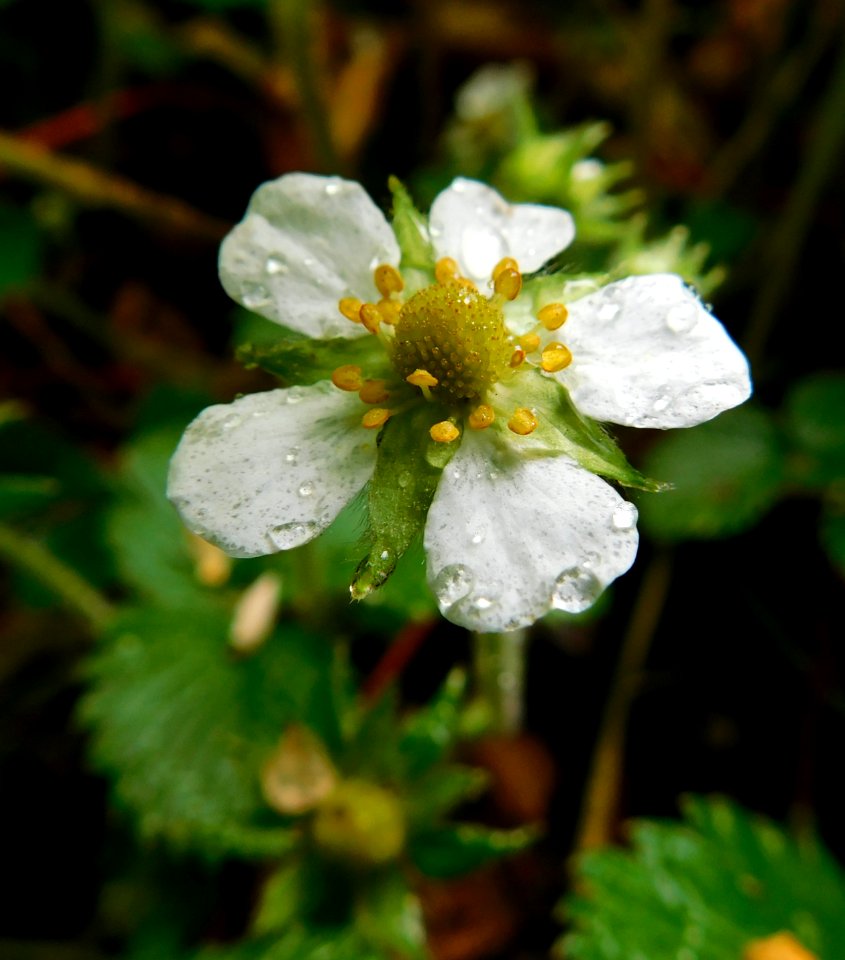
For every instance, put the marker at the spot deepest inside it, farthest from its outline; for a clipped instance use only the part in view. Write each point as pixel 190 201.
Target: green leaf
pixel 309 361
pixel 815 422
pixel 832 535
pixel 20 248
pixel 401 491
pixel 707 887
pixel 389 916
pixel 185 726
pixel 725 475
pixel 449 851
pixel 411 229
pixel 25 493
pixel 431 731
pixel 440 790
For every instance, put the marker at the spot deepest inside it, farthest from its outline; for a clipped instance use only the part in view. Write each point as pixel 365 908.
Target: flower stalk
pixel 499 662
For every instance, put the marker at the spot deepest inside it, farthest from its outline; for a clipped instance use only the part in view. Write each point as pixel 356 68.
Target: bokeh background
pixel 132 134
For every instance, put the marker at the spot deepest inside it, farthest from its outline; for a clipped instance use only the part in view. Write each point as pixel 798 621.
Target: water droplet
pixel 454 473
pixel 661 403
pixel 308 262
pixel 292 455
pixel 482 603
pixel 624 517
pixel 254 295
pixel 682 317
pixel 306 490
pixel 477 538
pixel 294 395
pixel 274 266
pixel 404 479
pixel 384 554
pixel 575 590
pixel 287 535
pixel 333 188
pixel 493 475
pixel 231 421
pixel 452 584
pixel 608 311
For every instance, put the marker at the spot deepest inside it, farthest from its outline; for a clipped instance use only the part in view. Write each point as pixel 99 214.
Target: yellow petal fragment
pixel 522 422
pixel 508 283
pixel 517 358
pixel 555 357
pixel 446 270
pixel 422 378
pixel 780 946
pixel 350 307
pixel 529 342
pixel 389 310
pixel 444 432
pixel 375 418
pixel 553 315
pixel 388 280
pixel 506 263
pixel 482 417
pixel 370 316
pixel 373 391
pixel 347 377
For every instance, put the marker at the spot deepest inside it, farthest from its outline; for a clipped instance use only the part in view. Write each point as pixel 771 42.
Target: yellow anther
pixel 522 422
pixel 780 946
pixel 481 417
pixel 555 356
pixel 529 342
pixel 506 263
pixel 444 432
pixel 553 315
pixel 347 377
pixel 389 310
pixel 508 283
pixel 350 307
pixel 517 357
pixel 370 316
pixel 446 270
pixel 388 280
pixel 466 282
pixel 422 378
pixel 373 391
pixel 376 417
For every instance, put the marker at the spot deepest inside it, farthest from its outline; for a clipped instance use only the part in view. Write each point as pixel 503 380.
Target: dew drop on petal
pixel 275 266
pixel 306 490
pixel 682 317
pixel 482 603
pixel 287 535
pixel 452 584
pixel 231 421
pixel 608 311
pixel 477 538
pixel 333 188
pixel 661 403
pixel 292 455
pixel 624 517
pixel 575 590
pixel 255 295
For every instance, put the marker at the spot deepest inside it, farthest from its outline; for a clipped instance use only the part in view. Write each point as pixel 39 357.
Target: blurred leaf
pixel 815 422
pixel 431 731
pixel 833 536
pixel 725 474
pixel 283 896
pixel 452 850
pixel 440 790
pixel 705 887
pixel 389 916
pixel 25 493
pixel 20 248
pixel 186 726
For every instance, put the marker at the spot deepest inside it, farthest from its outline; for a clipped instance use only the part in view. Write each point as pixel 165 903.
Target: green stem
pixel 499 661
pixel 36 559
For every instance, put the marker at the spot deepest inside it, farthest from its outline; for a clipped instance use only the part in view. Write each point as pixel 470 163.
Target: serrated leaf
pixel 815 422
pixel 707 886
pixel 389 917
pixel 449 851
pixel 725 475
pixel 411 229
pixel 309 361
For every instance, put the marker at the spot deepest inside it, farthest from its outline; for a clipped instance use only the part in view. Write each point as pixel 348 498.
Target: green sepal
pixel 562 429
pixel 389 917
pixel 404 481
pixel 411 229
pixel 309 361
pixel 452 850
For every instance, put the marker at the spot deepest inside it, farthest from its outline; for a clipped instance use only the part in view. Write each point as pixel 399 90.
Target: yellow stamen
pixel 445 271
pixel 373 391
pixel 555 357
pixel 517 357
pixel 375 418
pixel 506 263
pixel 347 377
pixel 780 946
pixel 389 310
pixel 508 283
pixel 522 422
pixel 482 417
pixel 350 307
pixel 466 282
pixel 553 315
pixel 422 378
pixel 444 432
pixel 370 316
pixel 388 280
pixel 529 342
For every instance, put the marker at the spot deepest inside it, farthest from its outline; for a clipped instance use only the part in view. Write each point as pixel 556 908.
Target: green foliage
pixel 815 423
pixel 20 248
pixel 411 229
pixel 308 361
pixel 451 850
pixel 725 474
pixel 705 887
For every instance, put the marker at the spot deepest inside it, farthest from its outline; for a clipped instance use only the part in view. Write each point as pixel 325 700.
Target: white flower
pixel 518 521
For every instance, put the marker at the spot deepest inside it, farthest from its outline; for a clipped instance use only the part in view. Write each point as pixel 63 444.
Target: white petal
pixel 472 223
pixel 646 353
pixel 271 470
pixel 509 538
pixel 306 242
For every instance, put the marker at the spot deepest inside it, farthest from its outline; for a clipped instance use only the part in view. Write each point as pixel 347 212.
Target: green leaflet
pixel 411 230
pixel 562 429
pixel 297 362
pixel 407 472
pixel 449 851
